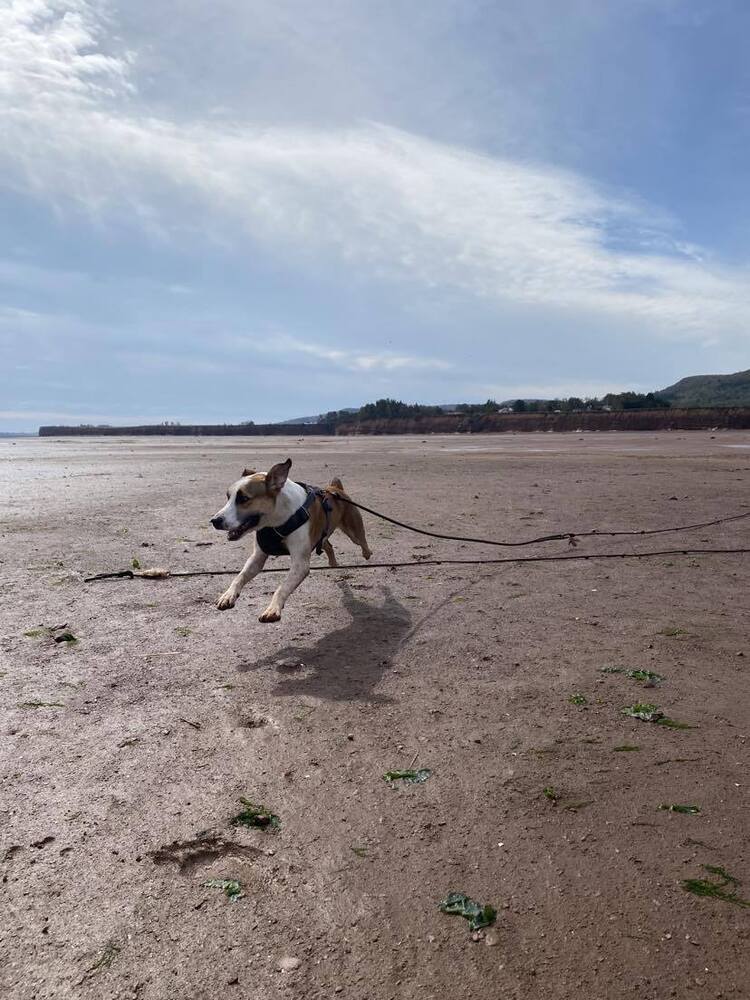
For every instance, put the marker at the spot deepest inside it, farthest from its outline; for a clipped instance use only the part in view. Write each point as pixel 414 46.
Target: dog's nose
pixel 218 522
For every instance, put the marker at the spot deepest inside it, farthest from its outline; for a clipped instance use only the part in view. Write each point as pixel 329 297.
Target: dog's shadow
pixel 348 664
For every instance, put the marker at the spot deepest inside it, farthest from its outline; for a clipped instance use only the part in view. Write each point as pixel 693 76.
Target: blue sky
pixel 257 210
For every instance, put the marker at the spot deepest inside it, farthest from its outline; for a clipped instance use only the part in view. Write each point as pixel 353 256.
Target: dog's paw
pixel 270 615
pixel 227 600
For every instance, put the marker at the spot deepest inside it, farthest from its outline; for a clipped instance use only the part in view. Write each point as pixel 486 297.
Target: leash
pixel 570 535
pixel 162 574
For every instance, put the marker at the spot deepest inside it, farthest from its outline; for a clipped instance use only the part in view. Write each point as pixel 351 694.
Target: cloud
pixel 51 55
pixel 381 202
pixel 354 361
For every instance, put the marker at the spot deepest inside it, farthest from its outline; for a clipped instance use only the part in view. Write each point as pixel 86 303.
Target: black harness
pixel 272 541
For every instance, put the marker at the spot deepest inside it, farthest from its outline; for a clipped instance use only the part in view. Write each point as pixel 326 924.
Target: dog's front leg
pixel 297 572
pixel 251 569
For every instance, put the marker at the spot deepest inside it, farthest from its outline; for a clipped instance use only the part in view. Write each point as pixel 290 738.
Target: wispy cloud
pixel 387 203
pixel 355 361
pixel 51 53
pixel 275 351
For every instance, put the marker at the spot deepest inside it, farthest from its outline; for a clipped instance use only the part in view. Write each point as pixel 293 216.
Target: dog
pixel 288 518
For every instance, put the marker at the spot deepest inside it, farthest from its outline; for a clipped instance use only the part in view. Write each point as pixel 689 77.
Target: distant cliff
pixel 615 420
pixel 737 418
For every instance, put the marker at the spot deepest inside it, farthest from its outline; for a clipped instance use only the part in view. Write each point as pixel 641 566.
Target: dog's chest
pixel 272 543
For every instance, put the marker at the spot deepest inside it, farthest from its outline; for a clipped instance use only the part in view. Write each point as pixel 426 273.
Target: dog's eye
pixel 240 498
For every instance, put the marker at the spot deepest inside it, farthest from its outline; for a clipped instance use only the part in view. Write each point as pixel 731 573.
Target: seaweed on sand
pixel 458 904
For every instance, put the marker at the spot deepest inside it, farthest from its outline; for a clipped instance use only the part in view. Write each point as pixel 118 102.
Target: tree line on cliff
pixel 395 409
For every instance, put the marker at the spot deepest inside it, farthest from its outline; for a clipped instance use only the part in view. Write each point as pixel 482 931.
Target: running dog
pixel 288 519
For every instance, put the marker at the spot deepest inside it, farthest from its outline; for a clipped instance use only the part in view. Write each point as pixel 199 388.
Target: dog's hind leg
pixel 353 527
pixel 328 549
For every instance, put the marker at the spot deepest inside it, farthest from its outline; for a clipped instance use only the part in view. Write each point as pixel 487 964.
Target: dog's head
pixel 250 499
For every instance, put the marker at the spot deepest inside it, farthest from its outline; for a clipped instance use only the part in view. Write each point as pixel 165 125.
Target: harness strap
pixel 272 540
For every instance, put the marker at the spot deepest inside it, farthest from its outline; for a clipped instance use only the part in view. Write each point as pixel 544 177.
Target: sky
pixel 246 210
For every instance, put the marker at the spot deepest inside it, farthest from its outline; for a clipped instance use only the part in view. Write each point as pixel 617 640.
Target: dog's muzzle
pixel 234 533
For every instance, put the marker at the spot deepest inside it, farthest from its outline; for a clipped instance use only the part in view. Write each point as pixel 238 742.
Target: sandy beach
pixel 125 754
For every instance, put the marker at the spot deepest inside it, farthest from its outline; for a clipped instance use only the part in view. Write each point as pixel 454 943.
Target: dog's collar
pixel 271 540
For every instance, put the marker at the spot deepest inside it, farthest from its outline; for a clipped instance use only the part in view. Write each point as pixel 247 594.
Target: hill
pixel 318 418
pixel 709 390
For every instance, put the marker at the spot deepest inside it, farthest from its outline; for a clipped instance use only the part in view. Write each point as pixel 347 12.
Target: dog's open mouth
pixel 248 525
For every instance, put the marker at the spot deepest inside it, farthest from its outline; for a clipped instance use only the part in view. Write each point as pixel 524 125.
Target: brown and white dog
pixel 269 500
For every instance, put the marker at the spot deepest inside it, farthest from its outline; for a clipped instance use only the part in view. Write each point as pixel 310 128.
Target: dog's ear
pixel 248 472
pixel 276 476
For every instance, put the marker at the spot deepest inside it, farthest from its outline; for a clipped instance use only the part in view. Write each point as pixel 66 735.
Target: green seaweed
pixel 38 633
pixel 256 816
pixel 550 793
pixel 643 711
pixel 578 699
pixel 672 632
pixel 232 888
pixel 688 810
pixel 107 957
pixel 361 852
pixel 59 634
pixel 625 748
pixel 715 889
pixel 651 713
pixel 649 678
pixel 183 630
pixel 410 776
pixel 673 724
pixel 458 904
pixel 135 563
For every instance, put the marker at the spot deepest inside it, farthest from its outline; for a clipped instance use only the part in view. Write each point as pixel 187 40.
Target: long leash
pixel 160 574
pixel 571 536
